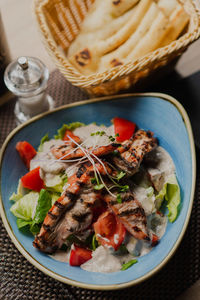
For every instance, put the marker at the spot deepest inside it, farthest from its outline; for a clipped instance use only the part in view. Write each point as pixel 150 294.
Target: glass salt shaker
pixel 27 78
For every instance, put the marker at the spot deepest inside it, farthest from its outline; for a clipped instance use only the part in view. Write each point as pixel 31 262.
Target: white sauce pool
pixel 104 262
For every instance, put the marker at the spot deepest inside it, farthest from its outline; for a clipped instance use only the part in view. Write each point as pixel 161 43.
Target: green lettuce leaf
pixel 160 196
pixel 56 183
pixel 171 193
pixel 22 223
pixel 54 198
pixel 173 198
pixel 21 191
pixel 71 126
pixel 42 208
pixel 25 206
pixel 24 209
pixel 42 141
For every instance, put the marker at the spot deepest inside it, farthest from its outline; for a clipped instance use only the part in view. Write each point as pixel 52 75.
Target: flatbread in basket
pixel 139 28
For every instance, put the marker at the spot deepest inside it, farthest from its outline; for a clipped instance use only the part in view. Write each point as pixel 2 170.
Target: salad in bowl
pixel 93 195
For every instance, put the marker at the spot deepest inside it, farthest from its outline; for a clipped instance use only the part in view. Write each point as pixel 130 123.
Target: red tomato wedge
pixel 123 128
pixel 26 152
pixel 79 255
pixel 32 180
pixel 109 230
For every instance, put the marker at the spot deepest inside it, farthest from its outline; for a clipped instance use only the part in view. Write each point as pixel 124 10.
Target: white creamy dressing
pixel 96 140
pixel 147 202
pixel 61 255
pixel 105 261
pixel 164 168
pixel 46 160
pixel 102 259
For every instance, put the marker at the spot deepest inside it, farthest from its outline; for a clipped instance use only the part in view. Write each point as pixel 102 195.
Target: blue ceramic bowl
pixel 157 112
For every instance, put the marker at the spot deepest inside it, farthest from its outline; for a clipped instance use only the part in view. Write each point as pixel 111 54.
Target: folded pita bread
pixel 119 7
pixel 89 63
pixel 116 57
pixel 103 12
pixel 167 6
pixel 88 38
pixel 178 21
pixel 119 31
pixel 152 38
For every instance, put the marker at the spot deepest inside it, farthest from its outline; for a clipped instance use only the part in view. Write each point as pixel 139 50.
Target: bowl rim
pixel 61 278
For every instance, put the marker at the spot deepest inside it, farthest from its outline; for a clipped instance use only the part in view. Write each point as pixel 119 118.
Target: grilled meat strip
pixel 132 152
pixel 64 152
pixel 74 221
pixel 69 150
pixel 131 214
pixel 48 239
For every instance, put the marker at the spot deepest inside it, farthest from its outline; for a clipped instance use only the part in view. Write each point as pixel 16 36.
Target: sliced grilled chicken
pixel 48 239
pixel 131 214
pixel 65 152
pixel 75 220
pixel 132 152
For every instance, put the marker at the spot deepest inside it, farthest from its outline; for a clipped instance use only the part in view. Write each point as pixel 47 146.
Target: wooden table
pixel 23 38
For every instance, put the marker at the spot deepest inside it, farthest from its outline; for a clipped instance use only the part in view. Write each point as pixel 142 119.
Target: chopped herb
pixel 124 188
pixel 119 198
pixel 100 133
pixel 120 175
pixel 111 138
pixel 93 180
pixel 129 264
pixel 94 243
pixel 99 186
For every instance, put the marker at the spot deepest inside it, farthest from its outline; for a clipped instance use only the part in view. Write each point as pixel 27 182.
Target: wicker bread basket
pixel 59 22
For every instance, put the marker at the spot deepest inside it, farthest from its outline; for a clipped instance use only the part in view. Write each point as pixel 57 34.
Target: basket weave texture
pixel 59 23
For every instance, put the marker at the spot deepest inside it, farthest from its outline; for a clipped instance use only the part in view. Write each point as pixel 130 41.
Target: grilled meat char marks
pixel 132 152
pixel 131 214
pixel 62 152
pixel 75 220
pixel 72 212
pixel 53 232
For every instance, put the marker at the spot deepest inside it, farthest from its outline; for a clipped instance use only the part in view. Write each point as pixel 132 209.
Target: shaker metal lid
pixel 26 76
